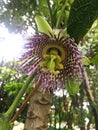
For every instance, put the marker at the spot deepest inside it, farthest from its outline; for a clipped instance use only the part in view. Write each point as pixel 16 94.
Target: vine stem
pixel 25 102
pixel 48 3
pixel 60 16
pixel 87 87
pixel 90 98
pixel 12 108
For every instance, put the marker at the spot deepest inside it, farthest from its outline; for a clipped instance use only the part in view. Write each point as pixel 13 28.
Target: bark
pixel 38 111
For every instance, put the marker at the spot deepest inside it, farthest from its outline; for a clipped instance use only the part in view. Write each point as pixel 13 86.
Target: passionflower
pixel 55 59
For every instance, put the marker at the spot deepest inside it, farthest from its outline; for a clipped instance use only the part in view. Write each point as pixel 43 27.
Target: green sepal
pixel 43 25
pixel 72 87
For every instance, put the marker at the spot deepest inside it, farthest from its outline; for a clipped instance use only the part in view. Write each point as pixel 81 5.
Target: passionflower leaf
pixel 43 25
pixel 72 87
pixel 82 15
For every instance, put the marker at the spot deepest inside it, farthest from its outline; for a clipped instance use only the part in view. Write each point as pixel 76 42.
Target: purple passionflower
pixel 55 59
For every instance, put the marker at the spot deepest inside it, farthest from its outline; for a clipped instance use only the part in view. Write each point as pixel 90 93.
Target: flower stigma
pixel 52 61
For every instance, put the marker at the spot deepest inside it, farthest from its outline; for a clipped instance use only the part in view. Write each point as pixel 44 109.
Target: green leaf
pixel 95 60
pixel 43 25
pixel 85 61
pixel 72 87
pixel 82 15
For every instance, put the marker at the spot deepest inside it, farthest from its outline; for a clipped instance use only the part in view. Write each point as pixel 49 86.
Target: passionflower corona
pixel 55 60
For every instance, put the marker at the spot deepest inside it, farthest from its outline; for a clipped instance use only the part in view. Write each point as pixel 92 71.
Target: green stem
pixel 60 16
pixel 48 3
pixel 20 94
pixel 26 100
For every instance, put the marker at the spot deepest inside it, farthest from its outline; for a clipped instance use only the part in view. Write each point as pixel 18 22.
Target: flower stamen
pixel 52 62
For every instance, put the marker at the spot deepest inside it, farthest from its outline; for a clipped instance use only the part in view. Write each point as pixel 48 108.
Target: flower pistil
pixel 52 62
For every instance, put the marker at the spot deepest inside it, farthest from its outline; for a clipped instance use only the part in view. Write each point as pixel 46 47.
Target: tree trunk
pixel 38 111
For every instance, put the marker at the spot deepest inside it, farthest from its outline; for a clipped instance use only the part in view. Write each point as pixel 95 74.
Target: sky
pixel 10 44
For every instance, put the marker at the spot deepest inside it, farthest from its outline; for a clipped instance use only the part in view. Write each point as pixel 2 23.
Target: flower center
pixel 53 56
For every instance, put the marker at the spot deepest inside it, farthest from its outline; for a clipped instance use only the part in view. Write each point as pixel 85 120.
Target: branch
pixel 91 98
pixel 87 86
